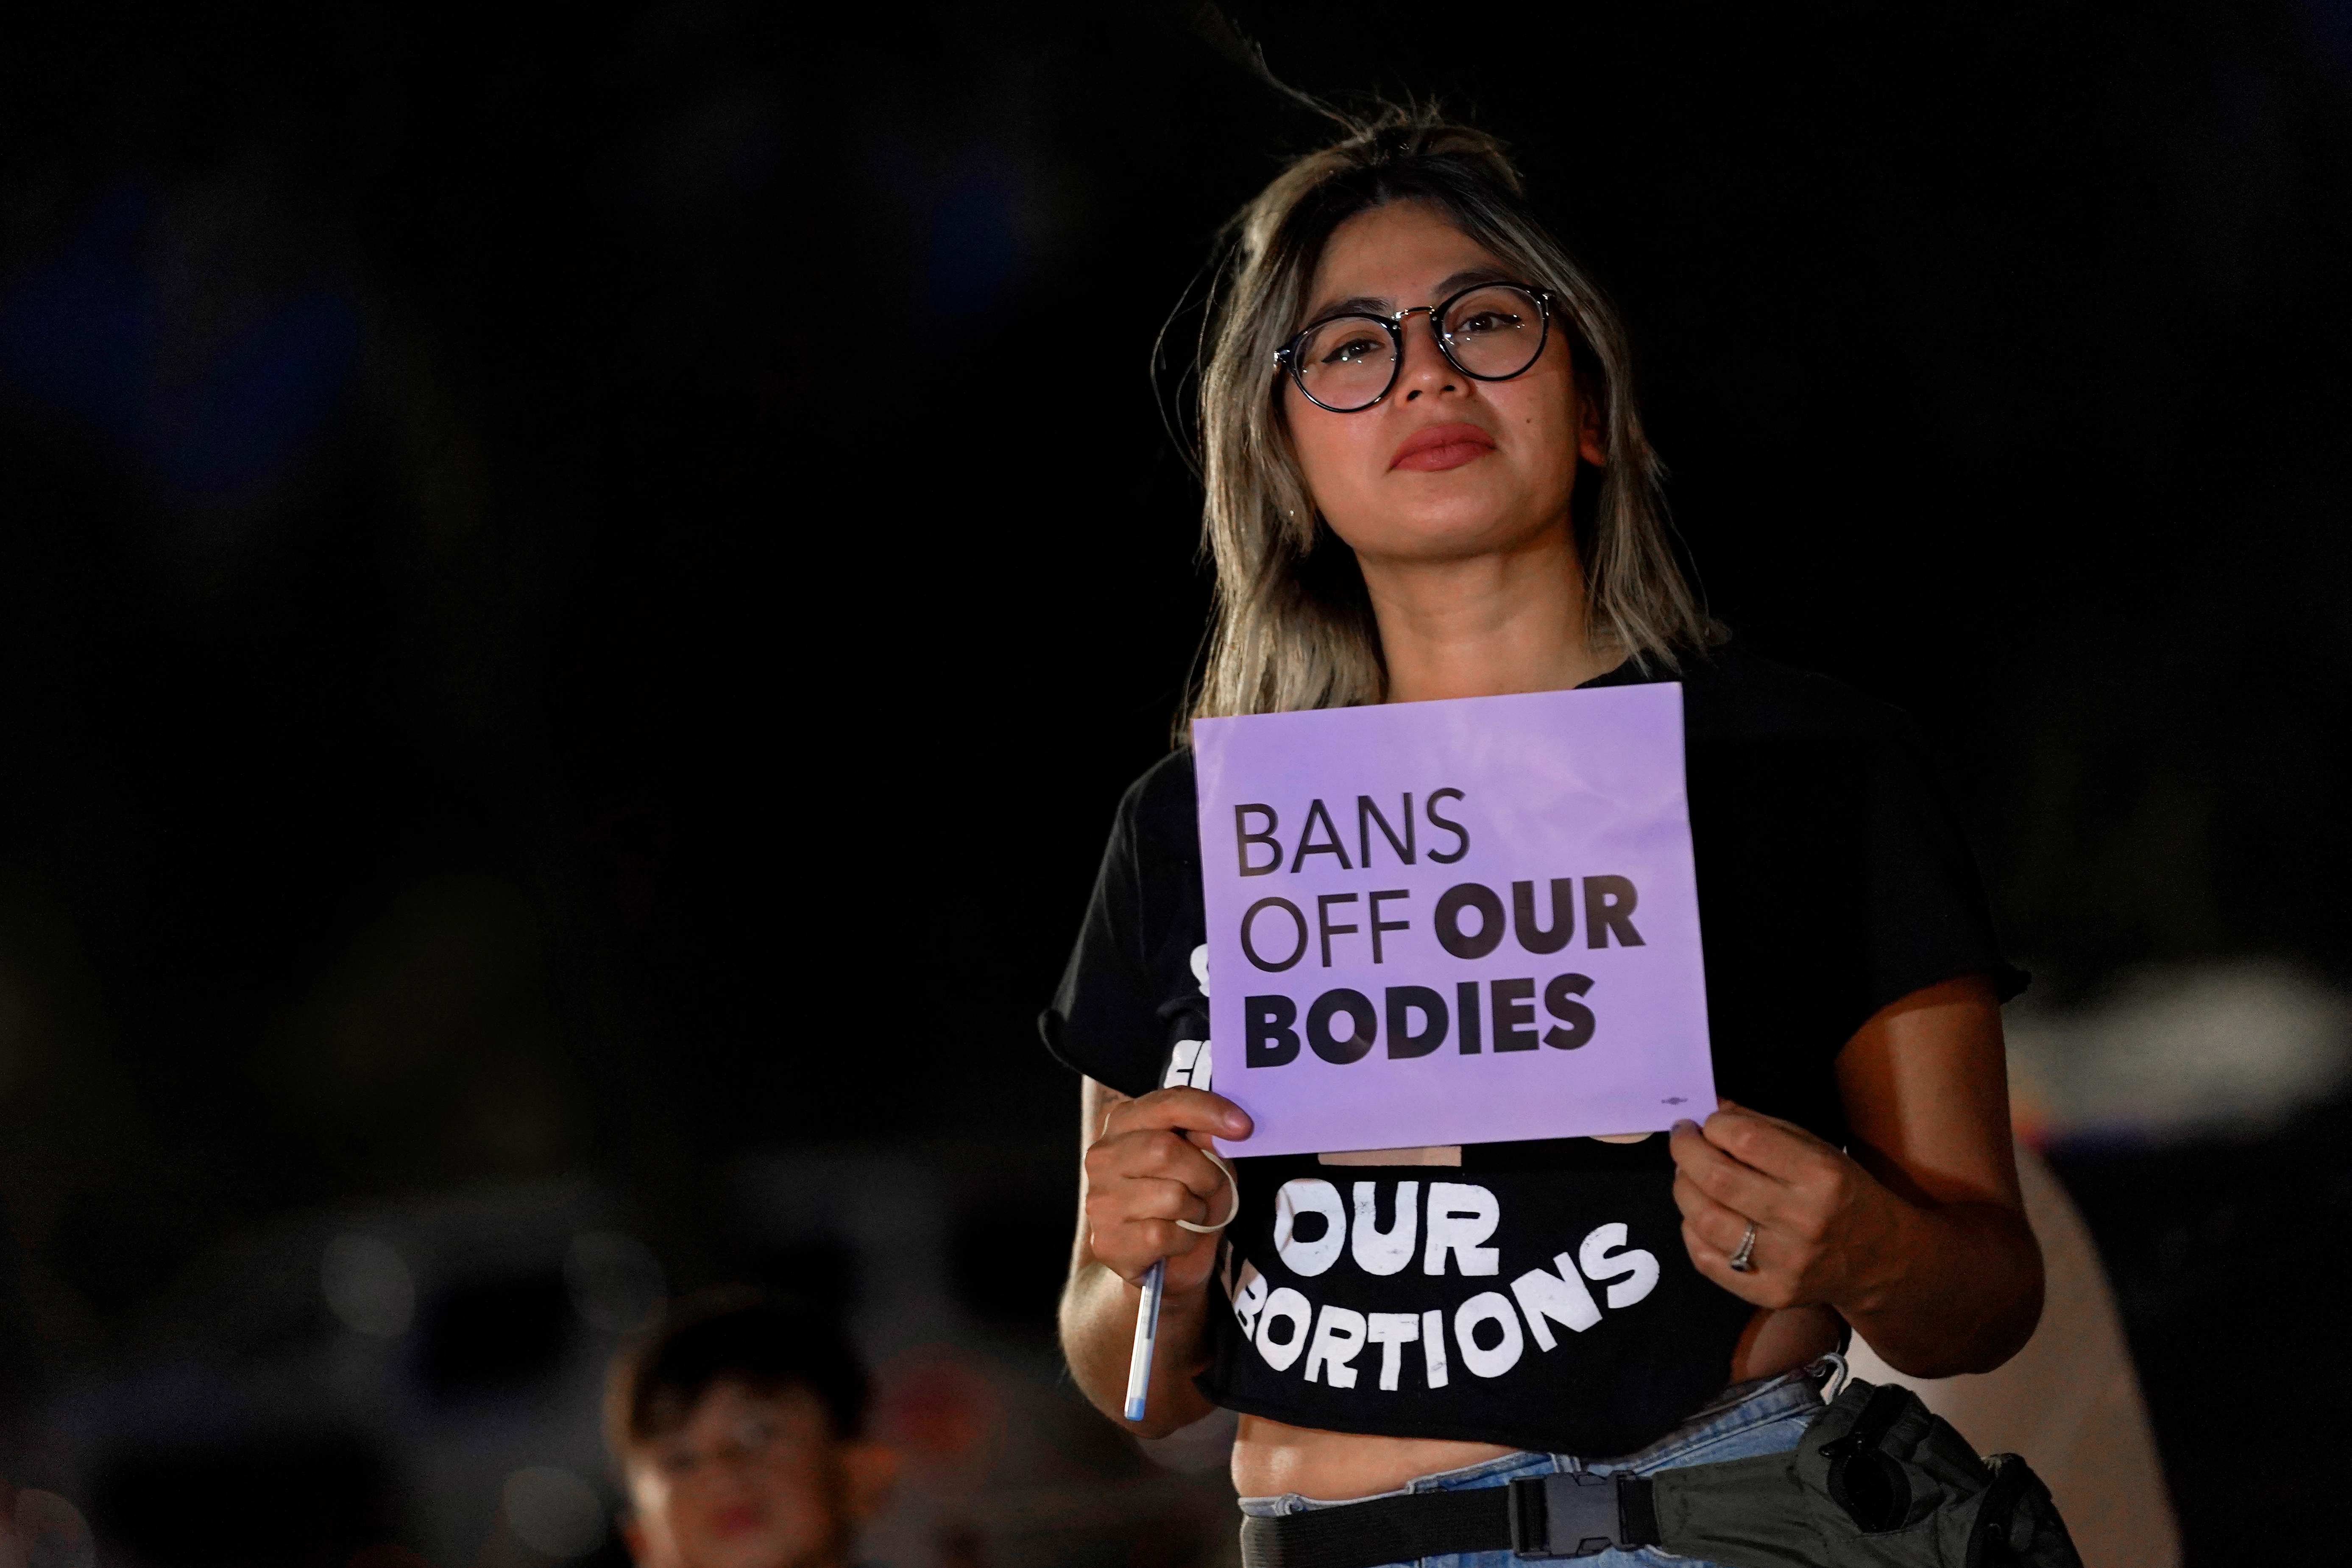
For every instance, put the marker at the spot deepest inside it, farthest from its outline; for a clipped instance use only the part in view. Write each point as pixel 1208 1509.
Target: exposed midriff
pixel 1272 1459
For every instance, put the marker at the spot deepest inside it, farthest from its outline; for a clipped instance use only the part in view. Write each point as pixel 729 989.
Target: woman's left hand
pixel 1824 1226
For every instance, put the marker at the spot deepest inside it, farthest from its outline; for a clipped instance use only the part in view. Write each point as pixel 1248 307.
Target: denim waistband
pixel 1727 1427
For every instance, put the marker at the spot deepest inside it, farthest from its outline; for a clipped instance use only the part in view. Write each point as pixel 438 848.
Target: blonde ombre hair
pixel 1292 625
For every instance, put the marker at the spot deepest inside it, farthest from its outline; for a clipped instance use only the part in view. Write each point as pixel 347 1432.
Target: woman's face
pixel 1444 468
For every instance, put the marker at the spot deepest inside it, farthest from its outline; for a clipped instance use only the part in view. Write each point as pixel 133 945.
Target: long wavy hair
pixel 1292 625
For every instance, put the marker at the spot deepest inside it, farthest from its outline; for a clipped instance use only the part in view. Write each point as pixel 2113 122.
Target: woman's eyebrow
pixel 1353 305
pixel 1377 305
pixel 1469 275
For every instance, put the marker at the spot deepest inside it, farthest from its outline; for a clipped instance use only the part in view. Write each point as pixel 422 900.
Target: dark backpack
pixel 1879 1481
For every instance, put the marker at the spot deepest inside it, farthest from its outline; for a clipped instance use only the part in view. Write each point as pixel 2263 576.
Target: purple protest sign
pixel 1465 921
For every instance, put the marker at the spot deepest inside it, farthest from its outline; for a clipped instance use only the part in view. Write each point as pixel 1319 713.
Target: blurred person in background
pixel 739 1428
pixel 1426 478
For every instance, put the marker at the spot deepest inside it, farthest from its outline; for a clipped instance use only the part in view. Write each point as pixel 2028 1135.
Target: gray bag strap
pixel 1878 1481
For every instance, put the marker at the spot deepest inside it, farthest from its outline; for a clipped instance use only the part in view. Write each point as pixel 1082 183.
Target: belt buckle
pixel 1569 1514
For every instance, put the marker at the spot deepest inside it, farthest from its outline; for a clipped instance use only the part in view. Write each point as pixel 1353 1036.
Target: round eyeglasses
pixel 1488 332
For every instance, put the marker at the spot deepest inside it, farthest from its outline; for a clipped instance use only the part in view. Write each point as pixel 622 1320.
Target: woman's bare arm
pixel 1144 1169
pixel 1919 1239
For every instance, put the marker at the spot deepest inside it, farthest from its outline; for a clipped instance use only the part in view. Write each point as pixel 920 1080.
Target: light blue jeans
pixel 1767 1416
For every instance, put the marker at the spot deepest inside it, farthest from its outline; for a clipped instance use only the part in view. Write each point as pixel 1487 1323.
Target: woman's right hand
pixel 1147 1168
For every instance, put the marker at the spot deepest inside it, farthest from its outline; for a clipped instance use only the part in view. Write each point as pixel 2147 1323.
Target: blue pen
pixel 1147 1310
pixel 1147 1334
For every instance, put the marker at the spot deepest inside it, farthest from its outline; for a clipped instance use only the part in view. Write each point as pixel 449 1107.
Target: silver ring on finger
pixel 1743 1259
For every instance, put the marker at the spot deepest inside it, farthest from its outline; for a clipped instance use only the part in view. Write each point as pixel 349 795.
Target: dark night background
pixel 578 585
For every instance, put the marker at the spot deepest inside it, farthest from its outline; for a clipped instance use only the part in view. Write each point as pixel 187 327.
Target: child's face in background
pixel 752 1478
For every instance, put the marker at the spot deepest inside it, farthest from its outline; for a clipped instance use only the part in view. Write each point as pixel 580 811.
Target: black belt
pixel 1568 1515
pixel 1876 1479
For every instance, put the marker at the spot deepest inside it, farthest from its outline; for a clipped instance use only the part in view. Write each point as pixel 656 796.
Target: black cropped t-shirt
pixel 1538 1294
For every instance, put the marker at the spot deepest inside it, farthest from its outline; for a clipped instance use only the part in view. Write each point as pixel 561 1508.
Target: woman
pixel 1426 480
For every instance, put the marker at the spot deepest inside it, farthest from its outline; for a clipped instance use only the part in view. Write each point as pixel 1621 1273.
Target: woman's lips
pixel 740 1519
pixel 1442 447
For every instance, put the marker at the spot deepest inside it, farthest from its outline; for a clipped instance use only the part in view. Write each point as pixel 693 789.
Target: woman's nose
pixel 1425 369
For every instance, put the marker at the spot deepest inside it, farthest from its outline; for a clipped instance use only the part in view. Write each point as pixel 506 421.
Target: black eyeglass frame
pixel 1286 356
